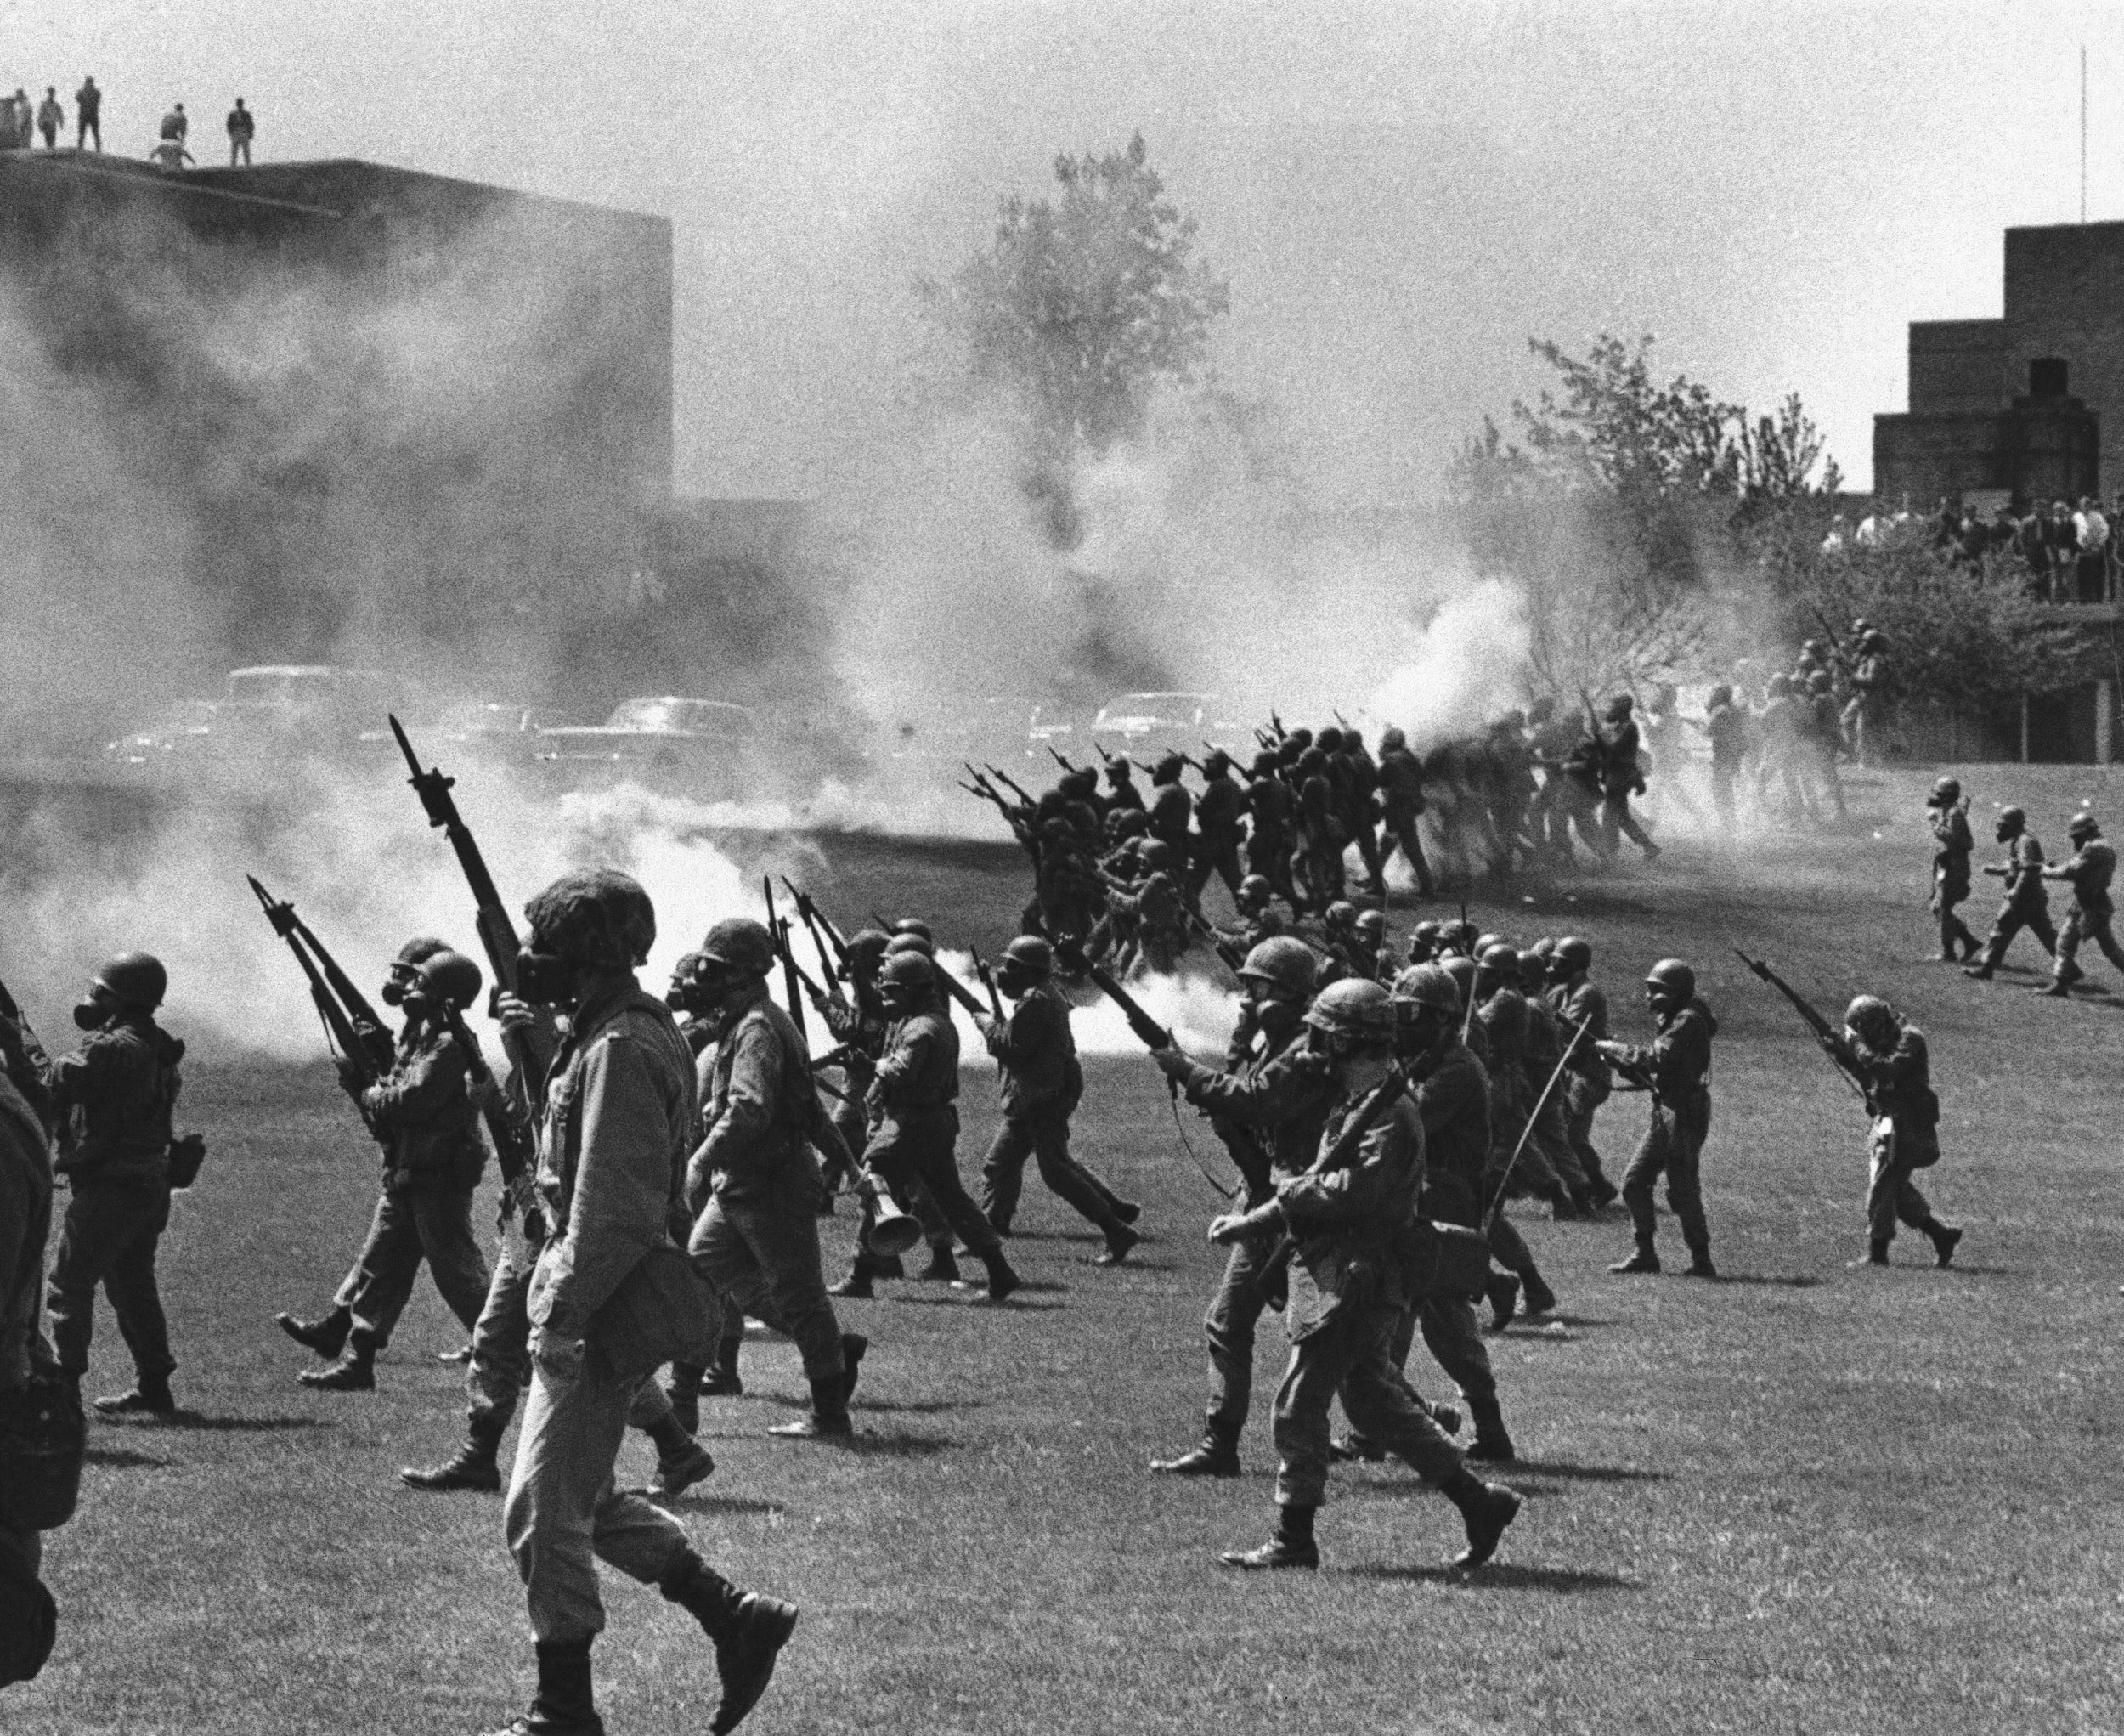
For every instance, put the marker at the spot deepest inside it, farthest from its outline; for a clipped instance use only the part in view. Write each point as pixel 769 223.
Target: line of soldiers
pixel 1122 873
pixel 2024 901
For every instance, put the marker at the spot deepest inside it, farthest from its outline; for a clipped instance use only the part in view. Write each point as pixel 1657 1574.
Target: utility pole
pixel 2083 132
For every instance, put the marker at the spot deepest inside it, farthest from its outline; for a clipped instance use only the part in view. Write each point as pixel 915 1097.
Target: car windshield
pixel 691 716
pixel 280 686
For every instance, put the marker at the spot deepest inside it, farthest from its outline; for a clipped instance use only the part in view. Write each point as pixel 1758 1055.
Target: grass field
pixel 1806 1499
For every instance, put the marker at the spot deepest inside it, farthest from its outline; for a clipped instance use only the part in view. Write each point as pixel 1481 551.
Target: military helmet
pixel 1168 769
pixel 1082 781
pixel 869 944
pixel 901 946
pixel 1312 763
pixel 135 980
pixel 740 946
pixel 1673 975
pixel 1128 823
pixel 1031 954
pixel 1339 915
pixel 1462 969
pixel 1353 1007
pixel 1498 958
pixel 1391 738
pixel 910 972
pixel 1428 986
pixel 1256 886
pixel 598 917
pixel 1155 854
pixel 1573 951
pixel 1265 764
pixel 2082 825
pixel 1542 948
pixel 1618 708
pixel 419 949
pixel 1868 1013
pixel 450 978
pixel 2012 820
pixel 1330 740
pixel 1945 793
pixel 1284 964
pixel 1427 929
pixel 1119 771
pixel 1216 763
pixel 1373 924
pixel 913 925
pixel 1482 943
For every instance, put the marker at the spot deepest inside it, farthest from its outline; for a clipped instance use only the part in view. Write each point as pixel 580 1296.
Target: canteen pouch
pixel 661 1313
pixel 186 1155
pixel 1445 1261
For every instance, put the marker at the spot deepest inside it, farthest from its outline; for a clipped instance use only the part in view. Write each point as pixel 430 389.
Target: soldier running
pixel 2025 904
pixel 2091 869
pixel 1887 1055
pixel 1948 815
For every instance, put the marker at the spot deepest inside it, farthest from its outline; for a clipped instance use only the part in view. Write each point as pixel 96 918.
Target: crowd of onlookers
pixel 2072 553
pixel 22 122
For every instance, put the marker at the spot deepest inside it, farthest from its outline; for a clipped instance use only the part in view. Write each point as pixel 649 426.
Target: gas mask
pixel 543 978
pixel 94 1012
pixel 395 984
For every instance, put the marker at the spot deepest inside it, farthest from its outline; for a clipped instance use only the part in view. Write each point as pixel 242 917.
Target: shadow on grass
pixel 898 1446
pixel 920 1407
pixel 1581 1473
pixel 120 1459
pixel 693 1503
pixel 1502 1576
pixel 1775 1281
pixel 239 1425
pixel 1009 1305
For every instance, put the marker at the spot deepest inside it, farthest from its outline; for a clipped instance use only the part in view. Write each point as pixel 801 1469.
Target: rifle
pixel 1368 1115
pixel 1830 1039
pixel 1012 784
pixel 792 974
pixel 988 982
pixel 1058 758
pixel 359 1038
pixel 1228 952
pixel 830 964
pixel 1276 724
pixel 530 1051
pixel 1526 1132
pixel 352 1024
pixel 1148 1031
pixel 512 1152
pixel 958 991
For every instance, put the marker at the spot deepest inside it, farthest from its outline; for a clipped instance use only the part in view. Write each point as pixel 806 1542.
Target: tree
pixel 1081 308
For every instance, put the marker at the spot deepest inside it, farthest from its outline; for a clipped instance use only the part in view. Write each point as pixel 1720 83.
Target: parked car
pixel 703 748
pixel 181 737
pixel 1147 724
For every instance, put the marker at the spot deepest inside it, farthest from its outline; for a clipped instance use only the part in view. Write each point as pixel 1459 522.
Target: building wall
pixel 2064 298
pixel 1958 366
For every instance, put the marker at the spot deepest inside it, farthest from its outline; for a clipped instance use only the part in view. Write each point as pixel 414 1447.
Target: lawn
pixel 1806 1498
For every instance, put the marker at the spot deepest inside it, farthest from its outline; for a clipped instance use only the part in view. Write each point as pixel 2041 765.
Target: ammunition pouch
pixel 186 1155
pixel 44 1439
pixel 1444 1262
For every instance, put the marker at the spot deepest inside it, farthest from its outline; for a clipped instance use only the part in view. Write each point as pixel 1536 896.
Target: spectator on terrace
pixel 50 117
pixel 241 125
pixel 2091 531
pixel 88 104
pixel 170 153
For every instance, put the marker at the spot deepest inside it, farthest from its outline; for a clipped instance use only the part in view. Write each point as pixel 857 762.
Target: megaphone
pixel 891 1232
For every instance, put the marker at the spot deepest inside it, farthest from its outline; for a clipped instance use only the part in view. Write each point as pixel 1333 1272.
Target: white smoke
pixel 1466 667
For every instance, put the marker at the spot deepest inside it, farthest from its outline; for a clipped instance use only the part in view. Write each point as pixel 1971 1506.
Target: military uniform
pixel 1041 1082
pixel 913 1105
pixel 859 1026
pixel 1269 840
pixel 1401 795
pixel 2026 905
pixel 755 1186
pixel 116 1092
pixel 1217 835
pixel 1728 725
pixel 30 1621
pixel 1268 1106
pixel 1952 848
pixel 1587 1082
pixel 1679 1061
pixel 1905 1138
pixel 2090 870
pixel 425 1112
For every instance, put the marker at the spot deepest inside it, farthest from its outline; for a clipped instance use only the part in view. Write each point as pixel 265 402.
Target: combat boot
pixel 943 1267
pixel 1119 1239
pixel 1644 1260
pixel 828 1418
pixel 474 1466
pixel 1876 1255
pixel 1002 1281
pixel 1604 1194
pixel 2055 990
pixel 1945 1240
pixel 327 1336
pixel 1291 1547
pixel 857 1286
pixel 1493 1442
pixel 683 1392
pixel 854 1345
pixel 563 1705
pixel 354 1372
pixel 1540 1298
pixel 721 1381
pixel 1503 1292
pixel 1700 1264
pixel 1486 1509
pixel 1980 973
pixel 676 1472
pixel 147 1397
pixel 1127 1211
pixel 1216 1455
pixel 749 1632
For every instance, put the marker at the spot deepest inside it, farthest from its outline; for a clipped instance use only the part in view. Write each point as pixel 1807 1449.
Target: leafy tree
pixel 1082 306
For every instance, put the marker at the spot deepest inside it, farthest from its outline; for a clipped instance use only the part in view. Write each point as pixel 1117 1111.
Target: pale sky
pixel 1398 196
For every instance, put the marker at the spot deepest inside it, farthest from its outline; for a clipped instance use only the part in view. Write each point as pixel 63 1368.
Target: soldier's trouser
pixel 1890 1194
pixel 1454 1339
pixel 1582 1099
pixel 1553 1139
pixel 1722 790
pixel 1947 892
pixel 1509 1249
pixel 110 1236
pixel 1581 809
pixel 762 1259
pixel 31 1614
pixel 917 1146
pixel 2081 925
pixel 1821 762
pixel 562 1507
pixel 855 1131
pixel 432 1221
pixel 1673 1145
pixel 1616 818
pixel 1046 1139
pixel 501 1356
pixel 1217 855
pixel 2009 922
pixel 1350 1355
pixel 1235 1311
pixel 1365 834
pixel 1403 829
